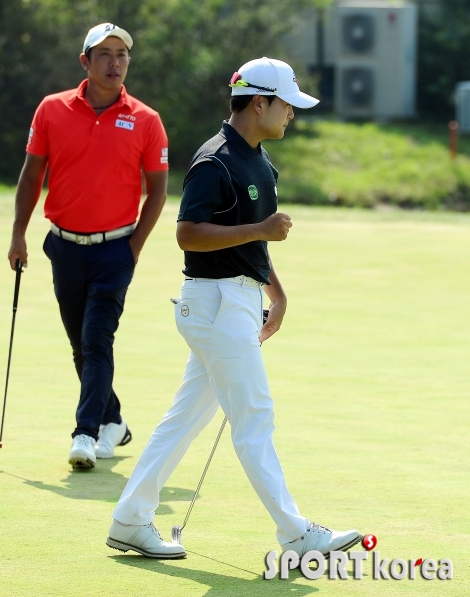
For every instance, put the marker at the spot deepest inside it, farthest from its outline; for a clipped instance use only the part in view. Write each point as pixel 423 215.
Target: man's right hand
pixel 27 195
pixel 275 227
pixel 17 251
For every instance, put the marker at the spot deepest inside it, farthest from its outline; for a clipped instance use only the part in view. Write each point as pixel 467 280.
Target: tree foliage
pixel 182 60
pixel 184 55
pixel 443 54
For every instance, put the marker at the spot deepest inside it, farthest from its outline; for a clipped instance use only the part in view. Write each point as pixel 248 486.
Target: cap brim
pixel 123 35
pixel 299 99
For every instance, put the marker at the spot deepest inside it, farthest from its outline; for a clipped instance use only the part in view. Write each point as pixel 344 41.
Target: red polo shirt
pixel 95 162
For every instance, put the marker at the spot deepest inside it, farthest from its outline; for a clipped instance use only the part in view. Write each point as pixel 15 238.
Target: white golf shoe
pixel 82 453
pixel 144 539
pixel 323 540
pixel 110 436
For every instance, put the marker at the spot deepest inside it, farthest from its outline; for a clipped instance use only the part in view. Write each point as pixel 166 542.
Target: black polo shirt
pixel 229 183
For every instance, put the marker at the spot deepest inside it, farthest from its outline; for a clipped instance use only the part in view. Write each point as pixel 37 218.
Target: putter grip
pixel 19 271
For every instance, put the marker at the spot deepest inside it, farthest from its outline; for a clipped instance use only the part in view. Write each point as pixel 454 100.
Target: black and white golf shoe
pixel 110 436
pixel 82 454
pixel 144 539
pixel 323 540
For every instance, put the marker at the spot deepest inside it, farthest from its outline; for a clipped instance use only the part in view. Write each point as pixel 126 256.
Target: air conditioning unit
pixel 462 104
pixel 374 45
pixel 309 41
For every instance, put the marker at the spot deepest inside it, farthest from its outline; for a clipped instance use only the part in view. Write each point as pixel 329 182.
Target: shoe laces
pixel 155 530
pixel 314 526
pixel 84 439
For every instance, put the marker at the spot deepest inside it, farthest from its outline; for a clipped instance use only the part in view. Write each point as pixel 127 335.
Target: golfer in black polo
pixel 228 214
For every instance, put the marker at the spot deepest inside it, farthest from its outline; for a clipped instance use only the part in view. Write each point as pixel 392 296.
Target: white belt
pixel 241 280
pixel 95 237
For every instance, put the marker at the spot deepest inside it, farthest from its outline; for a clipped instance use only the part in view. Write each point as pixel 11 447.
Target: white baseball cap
pixel 267 76
pixel 100 32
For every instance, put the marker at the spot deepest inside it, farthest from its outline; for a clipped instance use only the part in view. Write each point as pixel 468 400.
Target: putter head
pixel 176 533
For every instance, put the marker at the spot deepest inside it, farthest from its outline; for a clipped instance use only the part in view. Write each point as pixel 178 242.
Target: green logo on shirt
pixel 253 192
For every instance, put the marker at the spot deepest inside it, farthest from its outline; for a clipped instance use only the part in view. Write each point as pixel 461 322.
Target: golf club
pixel 19 271
pixel 177 531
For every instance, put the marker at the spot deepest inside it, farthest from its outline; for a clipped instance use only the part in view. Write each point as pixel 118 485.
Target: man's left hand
pixel 276 314
pixel 135 248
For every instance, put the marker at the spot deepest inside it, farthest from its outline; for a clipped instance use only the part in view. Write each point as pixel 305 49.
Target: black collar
pixel 234 138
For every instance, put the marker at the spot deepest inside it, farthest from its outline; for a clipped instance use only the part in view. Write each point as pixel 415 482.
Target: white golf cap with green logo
pixel 268 76
pixel 100 32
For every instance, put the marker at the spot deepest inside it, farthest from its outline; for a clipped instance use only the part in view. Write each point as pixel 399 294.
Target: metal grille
pixel 358 33
pixel 358 87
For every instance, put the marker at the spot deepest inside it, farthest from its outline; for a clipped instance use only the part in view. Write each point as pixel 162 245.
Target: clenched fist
pixel 276 227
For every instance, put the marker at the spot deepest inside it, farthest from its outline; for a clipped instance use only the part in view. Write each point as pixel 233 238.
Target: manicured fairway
pixel 371 378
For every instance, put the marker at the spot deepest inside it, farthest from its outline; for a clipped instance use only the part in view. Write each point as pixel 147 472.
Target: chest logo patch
pixel 253 192
pixel 123 124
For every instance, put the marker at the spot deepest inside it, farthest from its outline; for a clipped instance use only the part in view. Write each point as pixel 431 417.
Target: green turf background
pixel 370 375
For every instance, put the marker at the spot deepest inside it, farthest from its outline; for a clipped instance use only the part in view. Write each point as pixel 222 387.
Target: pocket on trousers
pixel 46 246
pixel 184 317
pixel 129 252
pixel 196 311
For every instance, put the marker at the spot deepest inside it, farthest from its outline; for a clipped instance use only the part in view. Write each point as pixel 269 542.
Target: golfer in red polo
pixel 95 141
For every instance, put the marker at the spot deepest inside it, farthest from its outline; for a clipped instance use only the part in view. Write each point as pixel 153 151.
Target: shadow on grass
pixel 103 484
pixel 220 585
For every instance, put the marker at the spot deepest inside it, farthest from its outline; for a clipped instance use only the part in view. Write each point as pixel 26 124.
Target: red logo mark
pixel 419 562
pixel 369 542
pixel 235 77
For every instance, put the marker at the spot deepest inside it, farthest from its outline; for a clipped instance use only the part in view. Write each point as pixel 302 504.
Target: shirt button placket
pixel 97 130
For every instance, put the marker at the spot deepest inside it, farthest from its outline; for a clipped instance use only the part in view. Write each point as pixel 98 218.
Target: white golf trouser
pixel 220 321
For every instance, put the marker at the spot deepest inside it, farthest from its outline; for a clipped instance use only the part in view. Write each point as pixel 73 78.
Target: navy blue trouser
pixel 90 283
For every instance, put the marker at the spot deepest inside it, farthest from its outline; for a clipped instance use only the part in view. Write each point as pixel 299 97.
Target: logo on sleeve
pixel 164 158
pixel 253 192
pixel 31 133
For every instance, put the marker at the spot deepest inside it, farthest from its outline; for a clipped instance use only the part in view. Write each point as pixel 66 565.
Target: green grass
pixel 364 164
pixel 370 378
